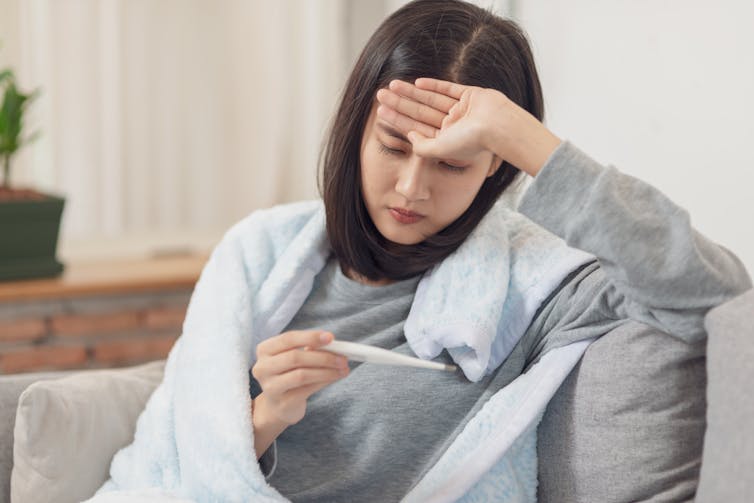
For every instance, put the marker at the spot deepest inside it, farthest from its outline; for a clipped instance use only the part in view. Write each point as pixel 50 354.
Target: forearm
pixel 266 429
pixel 514 135
pixel 668 272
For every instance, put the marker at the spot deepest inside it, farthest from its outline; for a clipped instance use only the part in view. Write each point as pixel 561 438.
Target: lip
pixel 405 216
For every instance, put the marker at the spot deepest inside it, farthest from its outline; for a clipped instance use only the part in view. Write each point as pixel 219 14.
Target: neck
pixel 350 274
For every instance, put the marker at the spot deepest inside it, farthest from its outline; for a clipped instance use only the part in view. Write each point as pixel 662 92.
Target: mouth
pixel 405 216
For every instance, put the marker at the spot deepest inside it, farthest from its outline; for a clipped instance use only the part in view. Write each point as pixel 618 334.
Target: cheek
pixel 375 175
pixel 368 187
pixel 457 196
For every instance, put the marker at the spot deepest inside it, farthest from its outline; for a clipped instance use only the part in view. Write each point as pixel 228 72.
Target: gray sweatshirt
pixel 660 270
pixel 373 435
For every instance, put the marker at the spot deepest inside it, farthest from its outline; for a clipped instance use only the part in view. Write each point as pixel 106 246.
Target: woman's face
pixel 408 197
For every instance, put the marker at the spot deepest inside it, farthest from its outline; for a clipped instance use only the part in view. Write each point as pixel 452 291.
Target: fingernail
pixel 342 362
pixel 325 337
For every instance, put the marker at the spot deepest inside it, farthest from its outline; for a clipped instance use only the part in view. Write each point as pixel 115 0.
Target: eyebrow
pixel 392 132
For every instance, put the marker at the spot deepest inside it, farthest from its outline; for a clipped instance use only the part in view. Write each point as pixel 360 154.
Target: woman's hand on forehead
pixel 433 119
pixel 446 120
pixel 414 109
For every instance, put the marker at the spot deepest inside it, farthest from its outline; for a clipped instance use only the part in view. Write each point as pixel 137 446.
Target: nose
pixel 412 180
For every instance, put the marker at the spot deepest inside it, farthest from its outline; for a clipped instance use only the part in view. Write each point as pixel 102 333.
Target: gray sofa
pixel 11 387
pixel 728 453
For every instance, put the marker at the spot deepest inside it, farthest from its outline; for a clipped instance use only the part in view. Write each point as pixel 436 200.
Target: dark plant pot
pixel 29 238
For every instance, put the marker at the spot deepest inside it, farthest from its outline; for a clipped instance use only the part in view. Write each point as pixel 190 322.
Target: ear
pixel 494 165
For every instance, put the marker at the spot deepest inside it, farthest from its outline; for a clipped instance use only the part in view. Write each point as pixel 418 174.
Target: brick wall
pixel 89 331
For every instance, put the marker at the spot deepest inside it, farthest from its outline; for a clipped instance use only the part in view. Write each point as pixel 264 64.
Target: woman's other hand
pixel 446 120
pixel 289 369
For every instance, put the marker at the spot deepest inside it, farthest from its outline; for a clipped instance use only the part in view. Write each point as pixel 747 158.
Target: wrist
pixel 538 150
pixel 262 415
pixel 495 136
pixel 519 138
pixel 267 427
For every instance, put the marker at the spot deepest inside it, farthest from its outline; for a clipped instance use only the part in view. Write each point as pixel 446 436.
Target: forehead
pixel 387 129
pixel 377 125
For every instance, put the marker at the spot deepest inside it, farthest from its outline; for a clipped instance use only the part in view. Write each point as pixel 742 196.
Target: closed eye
pixel 447 166
pixel 451 167
pixel 390 151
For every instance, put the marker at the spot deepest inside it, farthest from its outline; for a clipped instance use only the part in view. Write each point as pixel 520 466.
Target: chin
pixel 401 236
pixel 408 242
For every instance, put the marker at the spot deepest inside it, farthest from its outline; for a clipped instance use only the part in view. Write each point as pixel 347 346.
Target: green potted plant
pixel 29 220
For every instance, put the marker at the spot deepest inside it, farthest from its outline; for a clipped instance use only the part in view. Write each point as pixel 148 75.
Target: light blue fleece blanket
pixel 194 440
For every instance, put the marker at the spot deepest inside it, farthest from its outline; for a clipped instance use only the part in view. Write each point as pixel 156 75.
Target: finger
pixel 403 123
pixel 419 143
pixel 304 392
pixel 429 147
pixel 408 107
pixel 441 86
pixel 297 358
pixel 293 339
pixel 432 99
pixel 297 378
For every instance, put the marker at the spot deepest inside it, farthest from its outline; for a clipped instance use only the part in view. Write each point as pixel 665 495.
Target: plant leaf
pixel 12 113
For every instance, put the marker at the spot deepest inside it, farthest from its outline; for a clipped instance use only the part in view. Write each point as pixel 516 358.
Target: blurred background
pixel 165 121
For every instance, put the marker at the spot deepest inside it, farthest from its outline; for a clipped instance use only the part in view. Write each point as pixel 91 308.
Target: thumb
pixel 419 143
pixel 429 147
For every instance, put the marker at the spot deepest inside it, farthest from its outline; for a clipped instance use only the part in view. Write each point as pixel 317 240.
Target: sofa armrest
pixel 68 429
pixel 728 459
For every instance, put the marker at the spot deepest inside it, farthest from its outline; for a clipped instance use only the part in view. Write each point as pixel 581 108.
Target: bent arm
pixel 664 272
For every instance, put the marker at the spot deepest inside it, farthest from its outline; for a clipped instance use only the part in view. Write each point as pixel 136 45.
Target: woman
pixel 441 113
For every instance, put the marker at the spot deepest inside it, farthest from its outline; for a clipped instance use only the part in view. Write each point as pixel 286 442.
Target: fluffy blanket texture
pixel 194 440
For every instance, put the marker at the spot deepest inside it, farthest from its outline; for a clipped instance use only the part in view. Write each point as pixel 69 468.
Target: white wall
pixel 663 90
pixel 9 47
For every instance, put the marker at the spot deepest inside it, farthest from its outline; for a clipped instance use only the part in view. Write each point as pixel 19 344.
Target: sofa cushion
pixel 728 461
pixel 67 431
pixel 628 423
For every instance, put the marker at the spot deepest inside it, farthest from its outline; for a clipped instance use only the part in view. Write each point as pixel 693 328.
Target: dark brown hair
pixel 445 39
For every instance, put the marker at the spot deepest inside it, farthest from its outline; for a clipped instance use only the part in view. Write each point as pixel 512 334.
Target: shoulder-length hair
pixel 445 39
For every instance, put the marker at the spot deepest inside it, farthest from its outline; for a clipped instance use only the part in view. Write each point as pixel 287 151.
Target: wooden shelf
pixel 110 277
